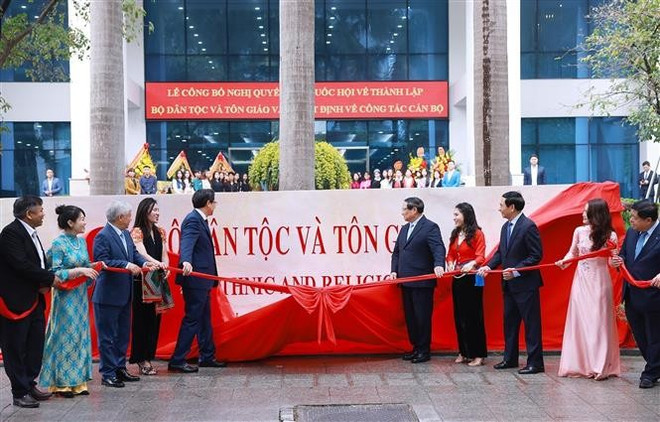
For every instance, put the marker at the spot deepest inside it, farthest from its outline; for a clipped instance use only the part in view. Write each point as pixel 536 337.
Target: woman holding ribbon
pixel 467 250
pixel 67 362
pixel 151 295
pixel 590 347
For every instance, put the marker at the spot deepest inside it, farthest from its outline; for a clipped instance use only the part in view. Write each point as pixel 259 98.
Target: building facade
pixel 371 41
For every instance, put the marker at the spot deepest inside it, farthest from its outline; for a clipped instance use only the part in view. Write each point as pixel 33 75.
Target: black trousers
pixel 145 327
pixel 22 344
pixel 418 310
pixel 523 307
pixel 469 317
pixel 646 330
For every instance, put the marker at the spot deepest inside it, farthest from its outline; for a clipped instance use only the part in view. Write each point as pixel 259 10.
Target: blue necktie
pixel 509 229
pixel 123 241
pixel 410 229
pixel 640 243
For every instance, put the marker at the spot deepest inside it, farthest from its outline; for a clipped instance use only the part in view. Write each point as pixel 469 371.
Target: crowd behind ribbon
pixel 125 302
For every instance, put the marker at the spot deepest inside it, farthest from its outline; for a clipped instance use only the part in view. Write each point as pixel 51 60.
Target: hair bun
pixel 60 209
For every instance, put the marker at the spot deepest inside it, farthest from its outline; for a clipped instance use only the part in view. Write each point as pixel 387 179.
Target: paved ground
pixel 437 390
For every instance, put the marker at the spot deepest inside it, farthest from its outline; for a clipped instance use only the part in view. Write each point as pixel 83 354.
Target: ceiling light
pixel 200 43
pixel 399 26
pixel 261 27
pixel 258 18
pixel 257 8
pixel 180 7
pixel 263 35
pixel 331 26
pixel 328 42
pixel 210 61
pixel 184 140
pixel 329 35
pixel 195 35
pixel 265 49
pixel 203 49
pixel 264 42
pixel 333 8
pixel 396 34
pixel 191 27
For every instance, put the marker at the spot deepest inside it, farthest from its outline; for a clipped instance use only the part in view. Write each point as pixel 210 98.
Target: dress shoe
pixel 212 364
pixel 643 383
pixel 66 394
pixel 527 370
pixel 505 365
pixel 185 368
pixel 26 401
pixel 112 382
pixel 409 355
pixel 124 375
pixel 421 357
pixel 40 395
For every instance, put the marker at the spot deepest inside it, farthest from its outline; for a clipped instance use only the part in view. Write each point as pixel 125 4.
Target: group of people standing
pixel 391 178
pixel 60 354
pixel 590 345
pixel 185 182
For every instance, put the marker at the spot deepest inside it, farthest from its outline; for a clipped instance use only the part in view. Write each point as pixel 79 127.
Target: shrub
pixel 330 169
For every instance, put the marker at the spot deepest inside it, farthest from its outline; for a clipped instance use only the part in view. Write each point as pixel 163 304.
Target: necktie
pixel 37 244
pixel 410 229
pixel 640 243
pixel 509 229
pixel 123 241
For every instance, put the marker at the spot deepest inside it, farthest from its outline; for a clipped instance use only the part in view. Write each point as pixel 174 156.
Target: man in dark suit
pixel 520 246
pixel 418 250
pixel 647 181
pixel 534 174
pixel 23 282
pixel 196 253
pixel 112 294
pixel 641 254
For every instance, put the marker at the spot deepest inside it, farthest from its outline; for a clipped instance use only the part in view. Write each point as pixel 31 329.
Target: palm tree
pixel 296 95
pixel 491 113
pixel 107 98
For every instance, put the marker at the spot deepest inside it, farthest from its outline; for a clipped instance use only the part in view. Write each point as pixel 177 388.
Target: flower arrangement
pixel 440 161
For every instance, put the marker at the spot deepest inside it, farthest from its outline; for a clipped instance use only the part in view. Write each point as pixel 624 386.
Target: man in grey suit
pixel 418 250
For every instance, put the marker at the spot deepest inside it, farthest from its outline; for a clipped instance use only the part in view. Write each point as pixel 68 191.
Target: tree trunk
pixel 296 95
pixel 491 93
pixel 107 98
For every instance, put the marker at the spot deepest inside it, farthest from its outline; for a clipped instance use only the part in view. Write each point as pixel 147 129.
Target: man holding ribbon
pixel 112 294
pixel 418 250
pixel 520 246
pixel 640 253
pixel 22 286
pixel 197 254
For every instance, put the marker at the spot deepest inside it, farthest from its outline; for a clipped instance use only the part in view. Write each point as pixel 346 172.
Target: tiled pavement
pixel 438 391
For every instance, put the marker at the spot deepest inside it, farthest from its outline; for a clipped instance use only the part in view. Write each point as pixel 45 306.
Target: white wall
pixel 37 101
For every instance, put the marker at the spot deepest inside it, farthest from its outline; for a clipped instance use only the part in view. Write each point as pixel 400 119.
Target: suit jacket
pixel 540 176
pixel 645 267
pixel 451 182
pixel 197 249
pixel 420 254
pixel 652 179
pixel 131 186
pixel 525 249
pixel 114 288
pixel 20 266
pixel 55 189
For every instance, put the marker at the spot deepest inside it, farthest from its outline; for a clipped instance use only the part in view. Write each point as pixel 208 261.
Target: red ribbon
pixel 8 314
pixel 75 282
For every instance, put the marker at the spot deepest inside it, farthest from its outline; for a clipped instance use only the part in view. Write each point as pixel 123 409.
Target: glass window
pixel 28 150
pixel 168 18
pixel 392 67
pixel 48 70
pixel 207 68
pixel 428 67
pixel 249 68
pixel 550 31
pixel 346 27
pixel 206 23
pixel 583 149
pixel 386 34
pixel 346 68
pixel 165 68
pixel 248 26
pixel 428 21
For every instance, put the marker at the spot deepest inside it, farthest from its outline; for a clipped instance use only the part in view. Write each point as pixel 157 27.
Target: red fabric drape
pixel 370 319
